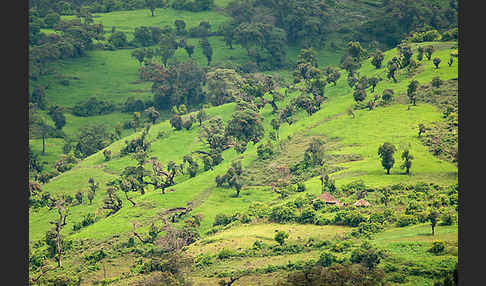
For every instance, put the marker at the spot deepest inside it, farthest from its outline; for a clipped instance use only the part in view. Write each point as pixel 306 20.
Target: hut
pixel 362 203
pixel 327 198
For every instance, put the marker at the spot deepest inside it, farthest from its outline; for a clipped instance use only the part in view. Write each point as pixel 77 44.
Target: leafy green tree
pixel 405 55
pixel 281 236
pixel 56 114
pixel 180 27
pixel 377 59
pixel 367 256
pixel 429 50
pixel 422 129
pixel 411 91
pixel 386 152
pixel 387 95
pixel 420 53
pixel 79 197
pixel 359 94
pixel 437 62
pixel 314 154
pixel 151 5
pixel 373 81
pixel 207 49
pixel 152 114
pixel 246 125
pixel 407 161
pixel 90 140
pixel 91 196
pixel 167 47
pixel 392 69
pixel 118 39
pixel 433 218
pixel 143 36
pixel 139 55
pixel 176 122
pixel 38 97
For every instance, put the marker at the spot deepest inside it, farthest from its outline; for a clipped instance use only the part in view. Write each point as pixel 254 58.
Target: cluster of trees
pixel 386 152
pixel 397 18
pixel 75 38
pixel 192 5
pixel 71 7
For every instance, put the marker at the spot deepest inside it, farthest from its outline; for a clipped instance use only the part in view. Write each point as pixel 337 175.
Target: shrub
pixel 447 219
pixel 225 254
pixel 349 218
pixel 436 82
pixel 280 237
pixel 107 154
pixel 176 122
pixel 221 219
pixel 265 150
pixel 438 247
pixel 406 220
pixel 326 259
pixel 321 220
pixel 308 215
pixel 300 187
pixel 92 107
pixel 66 163
pixel 282 214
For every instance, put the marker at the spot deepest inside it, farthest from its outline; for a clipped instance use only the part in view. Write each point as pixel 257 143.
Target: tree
pixel 411 91
pixel 38 97
pixel 189 49
pixel 57 116
pixel 385 196
pixel 176 122
pixel 433 218
pixel 422 129
pixel 407 161
pixel 143 36
pixel 392 69
pixel 437 62
pixel 451 61
pixel 359 94
pixel 139 55
pixel 91 196
pixel 280 237
pixel 373 81
pixel 420 54
pixel 180 27
pixel 314 155
pixel 207 49
pixel 246 125
pixel 377 59
pixel 61 206
pixel 167 47
pixel 152 114
pixel 386 152
pixel 118 39
pixel 90 140
pixel 151 5
pixel 429 50
pixel 387 95
pixel 79 197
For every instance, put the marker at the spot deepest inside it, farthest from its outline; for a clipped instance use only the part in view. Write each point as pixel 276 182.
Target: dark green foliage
pixel 437 62
pixel 367 256
pixel 265 150
pixel 411 91
pixel 429 50
pixel 118 39
pixel 407 161
pixel 246 125
pixel 222 219
pixel 282 214
pixel 90 140
pixel 438 247
pixel 280 237
pixel 436 82
pixel 327 259
pixel 193 5
pixel 207 49
pixel 359 95
pixel 176 122
pixel 314 155
pixel 92 107
pixel 387 96
pixel 38 97
pixel 386 152
pixel 349 218
pixel 377 59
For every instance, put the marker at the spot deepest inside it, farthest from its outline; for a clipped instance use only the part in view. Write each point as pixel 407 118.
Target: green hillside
pixel 234 233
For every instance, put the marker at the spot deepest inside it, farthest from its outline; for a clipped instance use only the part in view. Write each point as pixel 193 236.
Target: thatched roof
pixel 362 203
pixel 328 198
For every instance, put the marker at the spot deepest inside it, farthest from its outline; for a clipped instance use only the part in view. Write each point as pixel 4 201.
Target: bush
pixel 66 163
pixel 326 259
pixel 308 215
pixel 447 219
pixel 282 214
pixel 221 219
pixel 225 254
pixel 92 107
pixel 436 82
pixel 406 220
pixel 349 218
pixel 280 237
pixel 438 247
pixel 265 150
pixel 107 154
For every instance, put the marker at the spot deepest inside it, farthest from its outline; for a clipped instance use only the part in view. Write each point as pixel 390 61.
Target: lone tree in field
pixel 451 61
pixel 437 62
pixel 422 129
pixel 377 59
pixel 429 50
pixel 433 217
pixel 387 95
pixel 386 152
pixel 139 55
pixel 61 206
pixel 152 114
pixel 207 49
pixel 411 90
pixel 281 236
pixel 420 53
pixel 407 161
pixel 151 5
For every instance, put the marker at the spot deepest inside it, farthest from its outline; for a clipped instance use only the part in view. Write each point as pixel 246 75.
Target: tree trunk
pixel 433 233
pixel 130 200
pixel 152 10
pixel 43 144
pixel 388 171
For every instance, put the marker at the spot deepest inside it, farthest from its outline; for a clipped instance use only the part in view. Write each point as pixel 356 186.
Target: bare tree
pixel 63 212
